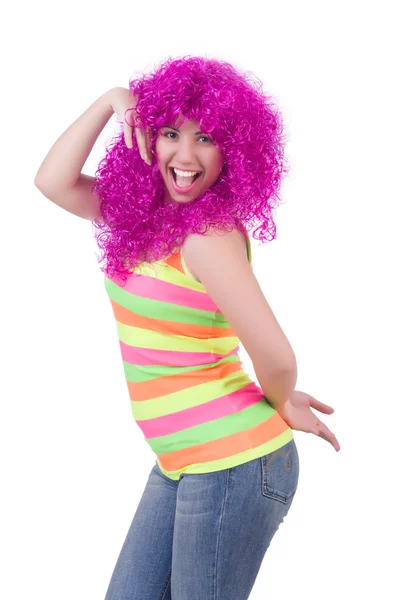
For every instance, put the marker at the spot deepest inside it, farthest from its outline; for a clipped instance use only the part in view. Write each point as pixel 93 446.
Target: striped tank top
pixel 197 408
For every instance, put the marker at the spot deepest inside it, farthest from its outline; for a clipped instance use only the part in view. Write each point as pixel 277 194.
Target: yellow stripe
pixel 144 338
pixel 186 268
pixel 189 397
pixel 165 272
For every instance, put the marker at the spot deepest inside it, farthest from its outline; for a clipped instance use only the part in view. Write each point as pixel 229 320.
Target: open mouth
pixel 186 189
pixel 174 175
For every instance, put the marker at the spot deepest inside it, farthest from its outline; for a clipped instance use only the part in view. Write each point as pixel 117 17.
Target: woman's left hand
pixel 297 413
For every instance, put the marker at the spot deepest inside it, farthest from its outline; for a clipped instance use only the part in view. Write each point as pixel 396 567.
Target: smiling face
pixel 189 151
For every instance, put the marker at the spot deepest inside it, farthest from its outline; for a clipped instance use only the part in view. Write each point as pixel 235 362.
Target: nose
pixel 185 153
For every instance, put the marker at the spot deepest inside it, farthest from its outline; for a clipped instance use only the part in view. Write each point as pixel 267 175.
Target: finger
pixel 324 408
pixel 128 135
pixel 129 117
pixel 326 434
pixel 148 137
pixel 140 140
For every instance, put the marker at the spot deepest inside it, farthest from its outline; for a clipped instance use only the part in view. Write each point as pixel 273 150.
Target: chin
pixel 178 200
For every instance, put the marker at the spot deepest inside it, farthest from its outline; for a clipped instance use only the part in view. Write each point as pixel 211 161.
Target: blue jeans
pixel 204 537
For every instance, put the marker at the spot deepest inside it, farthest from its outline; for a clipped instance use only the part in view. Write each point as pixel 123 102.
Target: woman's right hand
pixel 122 100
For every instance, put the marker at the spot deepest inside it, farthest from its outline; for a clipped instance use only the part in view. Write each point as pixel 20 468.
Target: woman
pixel 171 218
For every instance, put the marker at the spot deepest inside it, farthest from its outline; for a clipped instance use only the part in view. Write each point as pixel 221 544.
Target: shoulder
pixel 215 237
pixel 216 249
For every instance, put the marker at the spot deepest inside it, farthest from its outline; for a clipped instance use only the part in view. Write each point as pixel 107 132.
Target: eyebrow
pixel 174 128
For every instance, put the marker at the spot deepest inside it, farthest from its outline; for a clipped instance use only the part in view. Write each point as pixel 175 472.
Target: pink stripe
pixel 207 411
pixel 157 289
pixel 149 356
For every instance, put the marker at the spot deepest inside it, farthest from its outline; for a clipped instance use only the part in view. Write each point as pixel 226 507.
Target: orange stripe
pixel 146 390
pixel 224 447
pixel 174 260
pixel 127 317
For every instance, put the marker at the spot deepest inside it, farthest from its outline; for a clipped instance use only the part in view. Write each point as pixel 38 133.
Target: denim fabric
pixel 204 537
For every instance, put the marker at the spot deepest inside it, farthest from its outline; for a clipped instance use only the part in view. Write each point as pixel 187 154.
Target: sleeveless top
pixel 197 408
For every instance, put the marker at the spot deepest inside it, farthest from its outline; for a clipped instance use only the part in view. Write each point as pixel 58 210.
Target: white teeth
pixel 185 173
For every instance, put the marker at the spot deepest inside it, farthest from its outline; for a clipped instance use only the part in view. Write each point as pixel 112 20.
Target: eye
pixel 167 134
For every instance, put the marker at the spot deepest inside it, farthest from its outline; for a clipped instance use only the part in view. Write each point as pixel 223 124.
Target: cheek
pixel 161 151
pixel 216 166
pixel 218 160
pixel 161 159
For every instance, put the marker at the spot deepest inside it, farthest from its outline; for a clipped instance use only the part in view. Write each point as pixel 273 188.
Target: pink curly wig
pixel 242 121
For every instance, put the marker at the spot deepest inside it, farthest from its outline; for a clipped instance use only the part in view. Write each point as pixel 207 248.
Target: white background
pixel 73 462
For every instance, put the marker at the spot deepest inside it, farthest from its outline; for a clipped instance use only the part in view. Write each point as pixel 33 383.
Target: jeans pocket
pixel 280 472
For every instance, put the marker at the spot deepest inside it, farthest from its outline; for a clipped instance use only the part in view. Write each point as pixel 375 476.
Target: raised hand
pixel 123 103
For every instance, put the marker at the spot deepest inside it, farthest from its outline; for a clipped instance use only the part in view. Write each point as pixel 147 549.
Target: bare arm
pixel 221 264
pixel 59 177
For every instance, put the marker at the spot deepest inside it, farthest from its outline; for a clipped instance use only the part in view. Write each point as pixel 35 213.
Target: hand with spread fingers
pixel 297 413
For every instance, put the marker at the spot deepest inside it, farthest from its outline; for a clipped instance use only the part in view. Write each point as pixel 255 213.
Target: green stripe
pixel 249 249
pixel 167 311
pixel 140 373
pixel 213 430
